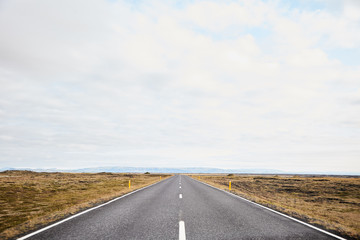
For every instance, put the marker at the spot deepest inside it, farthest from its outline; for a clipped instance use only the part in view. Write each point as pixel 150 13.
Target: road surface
pixel 180 208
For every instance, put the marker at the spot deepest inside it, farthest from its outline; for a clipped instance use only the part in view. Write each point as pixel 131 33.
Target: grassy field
pixel 330 202
pixel 29 200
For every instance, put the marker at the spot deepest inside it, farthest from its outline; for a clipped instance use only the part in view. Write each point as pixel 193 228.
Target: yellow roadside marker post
pixel 199 177
pixel 129 184
pixel 160 178
pixel 229 185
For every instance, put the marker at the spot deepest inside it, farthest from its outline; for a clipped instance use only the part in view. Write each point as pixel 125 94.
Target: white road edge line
pixel 81 213
pixel 180 195
pixel 180 187
pixel 282 214
pixel 182 235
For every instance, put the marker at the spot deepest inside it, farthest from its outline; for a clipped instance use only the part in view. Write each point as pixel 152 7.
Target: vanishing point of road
pixel 179 208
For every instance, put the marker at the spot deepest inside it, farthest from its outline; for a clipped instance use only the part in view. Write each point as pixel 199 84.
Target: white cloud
pixel 219 16
pixel 110 82
pixel 333 29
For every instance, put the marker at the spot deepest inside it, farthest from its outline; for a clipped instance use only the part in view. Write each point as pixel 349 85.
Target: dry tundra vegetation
pixel 330 202
pixel 29 200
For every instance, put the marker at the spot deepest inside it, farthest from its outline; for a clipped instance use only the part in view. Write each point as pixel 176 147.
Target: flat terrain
pixel 176 208
pixel 29 200
pixel 330 202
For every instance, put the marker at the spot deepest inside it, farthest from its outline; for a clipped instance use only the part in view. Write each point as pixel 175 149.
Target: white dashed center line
pixel 180 195
pixel 182 235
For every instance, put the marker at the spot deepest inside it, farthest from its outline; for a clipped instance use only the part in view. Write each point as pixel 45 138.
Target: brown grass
pixel 330 202
pixel 29 200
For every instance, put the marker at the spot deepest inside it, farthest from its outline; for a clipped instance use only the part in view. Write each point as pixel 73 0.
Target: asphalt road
pixel 179 208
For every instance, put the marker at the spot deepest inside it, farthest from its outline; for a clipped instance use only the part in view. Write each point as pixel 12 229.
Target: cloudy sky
pixel 229 84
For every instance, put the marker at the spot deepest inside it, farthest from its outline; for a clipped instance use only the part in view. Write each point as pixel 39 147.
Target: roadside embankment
pixel 29 200
pixel 330 202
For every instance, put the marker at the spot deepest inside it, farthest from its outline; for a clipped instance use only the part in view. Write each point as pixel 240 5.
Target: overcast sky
pixel 229 84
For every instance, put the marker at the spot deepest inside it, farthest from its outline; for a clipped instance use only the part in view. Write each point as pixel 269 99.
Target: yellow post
pixel 199 177
pixel 129 183
pixel 229 185
pixel 160 178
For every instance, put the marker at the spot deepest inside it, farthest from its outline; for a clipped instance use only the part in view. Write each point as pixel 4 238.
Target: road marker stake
pixel 160 178
pixel 279 213
pixel 129 183
pixel 229 185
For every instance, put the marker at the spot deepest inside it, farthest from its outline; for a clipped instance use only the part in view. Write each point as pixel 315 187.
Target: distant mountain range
pixel 149 169
pixel 173 170
pixel 176 170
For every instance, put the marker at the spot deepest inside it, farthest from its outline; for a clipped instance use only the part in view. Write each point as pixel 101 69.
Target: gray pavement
pixel 155 213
